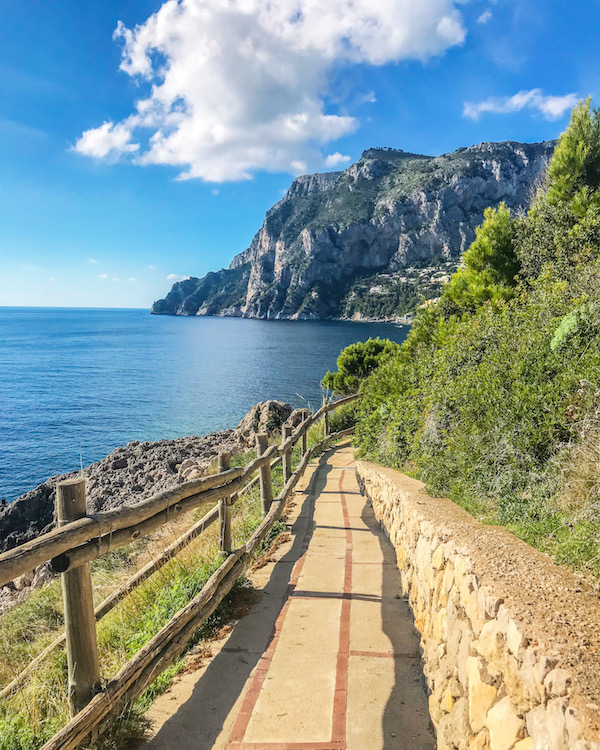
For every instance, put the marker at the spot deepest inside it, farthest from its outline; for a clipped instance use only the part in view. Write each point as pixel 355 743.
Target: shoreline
pixel 403 320
pixel 124 476
pixel 127 475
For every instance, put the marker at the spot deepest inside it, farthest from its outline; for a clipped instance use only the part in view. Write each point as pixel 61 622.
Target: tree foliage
pixel 490 265
pixel 356 362
pixel 562 229
pixel 574 172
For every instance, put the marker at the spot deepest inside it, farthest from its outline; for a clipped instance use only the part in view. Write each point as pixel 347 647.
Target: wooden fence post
pixel 80 622
pixel 304 435
pixel 326 424
pixel 225 508
pixel 287 456
pixel 266 488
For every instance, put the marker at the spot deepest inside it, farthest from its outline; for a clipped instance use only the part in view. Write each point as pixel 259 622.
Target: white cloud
pixel 93 261
pixel 334 160
pixel 103 276
pixel 150 268
pixel 132 278
pixel 109 140
pixel 485 17
pixel 175 277
pixel 368 98
pixel 552 107
pixel 239 85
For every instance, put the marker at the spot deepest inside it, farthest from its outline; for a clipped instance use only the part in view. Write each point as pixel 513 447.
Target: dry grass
pixel 581 491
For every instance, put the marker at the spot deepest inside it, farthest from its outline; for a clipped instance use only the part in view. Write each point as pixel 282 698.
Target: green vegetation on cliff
pixel 372 241
pixel 494 398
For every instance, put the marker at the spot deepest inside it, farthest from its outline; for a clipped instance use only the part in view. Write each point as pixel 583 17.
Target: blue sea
pixel 76 383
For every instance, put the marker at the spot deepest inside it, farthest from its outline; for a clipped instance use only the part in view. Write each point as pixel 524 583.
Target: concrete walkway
pixel 327 659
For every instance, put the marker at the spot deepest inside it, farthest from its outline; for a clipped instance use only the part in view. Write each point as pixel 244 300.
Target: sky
pixel 142 142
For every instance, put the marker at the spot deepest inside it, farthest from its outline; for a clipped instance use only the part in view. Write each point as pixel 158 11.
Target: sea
pixel 77 383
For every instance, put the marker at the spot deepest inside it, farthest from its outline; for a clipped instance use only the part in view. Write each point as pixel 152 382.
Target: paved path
pixel 327 659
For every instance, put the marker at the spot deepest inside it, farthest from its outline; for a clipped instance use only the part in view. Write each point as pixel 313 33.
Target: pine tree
pixel 490 265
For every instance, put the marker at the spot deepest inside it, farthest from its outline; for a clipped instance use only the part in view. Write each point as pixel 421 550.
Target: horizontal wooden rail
pixel 170 642
pixel 101 545
pixel 111 601
pixel 28 556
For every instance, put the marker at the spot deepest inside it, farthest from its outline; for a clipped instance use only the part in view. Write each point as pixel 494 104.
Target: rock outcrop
pixel 124 477
pixel 266 416
pixel 390 211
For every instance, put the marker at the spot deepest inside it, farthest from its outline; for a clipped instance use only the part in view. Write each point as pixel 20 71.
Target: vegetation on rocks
pixel 494 397
pixel 355 244
pixel 395 296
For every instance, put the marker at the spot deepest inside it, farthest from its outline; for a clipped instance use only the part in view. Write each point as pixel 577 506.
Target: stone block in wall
pixel 515 640
pixel 526 744
pixel 481 692
pixel 505 725
pixel 480 741
pixel 558 682
pixel 453 729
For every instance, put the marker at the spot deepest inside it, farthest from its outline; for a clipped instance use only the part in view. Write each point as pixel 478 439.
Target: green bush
pixel 490 265
pixel 356 362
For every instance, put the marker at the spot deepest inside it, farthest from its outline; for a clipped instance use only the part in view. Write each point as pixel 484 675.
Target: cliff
pixel 339 244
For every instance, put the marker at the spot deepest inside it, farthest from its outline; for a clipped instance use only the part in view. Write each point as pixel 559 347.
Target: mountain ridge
pixel 345 244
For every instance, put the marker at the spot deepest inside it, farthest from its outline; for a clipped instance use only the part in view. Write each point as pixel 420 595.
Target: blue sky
pixel 142 141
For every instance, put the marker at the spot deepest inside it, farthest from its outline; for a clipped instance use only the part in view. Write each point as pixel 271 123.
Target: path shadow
pixel 199 721
pixel 406 721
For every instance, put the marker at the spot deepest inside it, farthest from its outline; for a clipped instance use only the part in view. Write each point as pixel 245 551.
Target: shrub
pixel 490 265
pixel 356 362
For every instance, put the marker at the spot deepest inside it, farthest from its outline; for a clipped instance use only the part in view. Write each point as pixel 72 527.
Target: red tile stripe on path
pixel 340 701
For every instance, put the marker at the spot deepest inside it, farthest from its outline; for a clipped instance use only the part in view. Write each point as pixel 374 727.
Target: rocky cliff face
pixel 390 211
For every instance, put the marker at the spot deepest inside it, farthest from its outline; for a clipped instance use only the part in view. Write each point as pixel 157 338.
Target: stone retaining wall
pixel 511 641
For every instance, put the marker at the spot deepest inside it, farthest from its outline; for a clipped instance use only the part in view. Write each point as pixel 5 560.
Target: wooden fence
pixel 80 538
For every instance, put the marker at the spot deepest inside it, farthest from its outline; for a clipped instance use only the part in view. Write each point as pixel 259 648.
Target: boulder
pixel 266 416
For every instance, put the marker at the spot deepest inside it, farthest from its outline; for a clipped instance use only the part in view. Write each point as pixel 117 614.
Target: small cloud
pixel 115 279
pixel 150 268
pixel 368 98
pixel 215 192
pixel 132 278
pixel 93 261
pixel 52 278
pixel 334 160
pixel 175 277
pixel 485 17
pixel 298 166
pixel 552 107
pixel 108 140
pixel 103 276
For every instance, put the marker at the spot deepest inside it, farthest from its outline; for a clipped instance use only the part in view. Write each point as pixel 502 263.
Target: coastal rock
pixel 124 477
pixel 266 416
pixel 340 244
